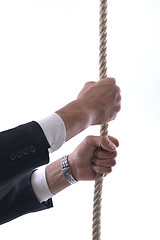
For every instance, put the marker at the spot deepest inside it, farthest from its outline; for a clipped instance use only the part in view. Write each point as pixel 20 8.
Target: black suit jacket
pixel 17 198
pixel 21 150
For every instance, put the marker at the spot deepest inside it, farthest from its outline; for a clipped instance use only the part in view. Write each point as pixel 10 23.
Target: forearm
pixel 75 117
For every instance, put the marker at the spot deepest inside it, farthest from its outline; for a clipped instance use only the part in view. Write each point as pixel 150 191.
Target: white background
pixel 48 50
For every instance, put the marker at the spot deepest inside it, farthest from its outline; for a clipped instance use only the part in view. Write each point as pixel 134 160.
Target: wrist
pixel 73 167
pixel 66 169
pixel 55 178
pixel 75 118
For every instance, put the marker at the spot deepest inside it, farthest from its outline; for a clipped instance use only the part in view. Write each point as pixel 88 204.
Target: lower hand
pixel 94 155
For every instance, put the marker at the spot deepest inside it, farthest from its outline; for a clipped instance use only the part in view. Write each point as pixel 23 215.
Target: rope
pixel 96 227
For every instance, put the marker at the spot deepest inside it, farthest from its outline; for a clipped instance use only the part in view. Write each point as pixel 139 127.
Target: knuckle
pixel 118 89
pixel 117 108
pixel 114 117
pixel 116 92
pixel 114 162
pixel 112 80
pixel 114 154
pixel 88 138
pixel 119 98
pixel 97 169
pixel 89 83
pixel 109 170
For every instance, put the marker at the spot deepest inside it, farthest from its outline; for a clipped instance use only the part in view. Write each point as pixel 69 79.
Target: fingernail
pixel 112 146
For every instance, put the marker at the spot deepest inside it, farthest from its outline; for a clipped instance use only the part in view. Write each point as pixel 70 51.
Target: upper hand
pixel 97 103
pixel 94 154
pixel 101 100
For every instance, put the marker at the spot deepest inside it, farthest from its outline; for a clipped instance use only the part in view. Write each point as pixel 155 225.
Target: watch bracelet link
pixel 66 170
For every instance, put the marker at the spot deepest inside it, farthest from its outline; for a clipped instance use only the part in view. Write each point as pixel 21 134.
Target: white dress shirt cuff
pixel 39 185
pixel 54 130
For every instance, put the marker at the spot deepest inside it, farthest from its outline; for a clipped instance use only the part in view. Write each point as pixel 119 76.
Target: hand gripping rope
pixel 96 227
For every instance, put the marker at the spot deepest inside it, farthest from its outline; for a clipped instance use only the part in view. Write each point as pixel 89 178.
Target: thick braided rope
pixel 96 227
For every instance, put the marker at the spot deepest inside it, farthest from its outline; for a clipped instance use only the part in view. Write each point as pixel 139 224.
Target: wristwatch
pixel 66 170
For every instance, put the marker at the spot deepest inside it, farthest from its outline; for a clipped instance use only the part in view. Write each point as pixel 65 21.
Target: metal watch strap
pixel 66 170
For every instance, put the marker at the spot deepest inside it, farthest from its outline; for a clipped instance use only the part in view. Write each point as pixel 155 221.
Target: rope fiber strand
pixel 96 227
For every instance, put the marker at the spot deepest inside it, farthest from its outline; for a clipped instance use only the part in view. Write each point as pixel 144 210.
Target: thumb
pixel 107 144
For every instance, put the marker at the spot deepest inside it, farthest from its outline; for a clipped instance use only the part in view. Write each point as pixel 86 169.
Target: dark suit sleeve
pixel 22 149
pixel 17 198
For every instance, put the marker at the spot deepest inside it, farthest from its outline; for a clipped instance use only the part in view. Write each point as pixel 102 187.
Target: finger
pixel 119 97
pixel 111 80
pixel 117 108
pixel 114 140
pixel 89 83
pixel 107 144
pixel 101 142
pixel 102 170
pixel 104 163
pixel 103 154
